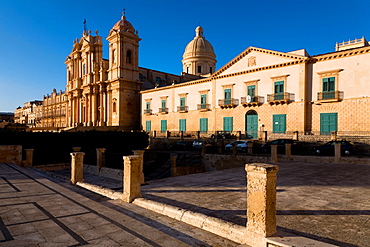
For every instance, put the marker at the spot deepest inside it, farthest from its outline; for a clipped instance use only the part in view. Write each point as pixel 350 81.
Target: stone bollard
pixel 182 135
pixel 274 158
pixel 154 133
pixel 131 178
pixel 295 135
pixel 29 157
pixel 234 150
pixel 334 135
pixel 204 149
pixel 168 134
pixel 76 149
pixel 198 135
pixel 288 150
pixel 173 165
pixel 250 148
pixel 141 154
pixel 337 152
pixel 264 136
pixel 261 203
pixel 239 135
pixel 99 159
pixel 77 167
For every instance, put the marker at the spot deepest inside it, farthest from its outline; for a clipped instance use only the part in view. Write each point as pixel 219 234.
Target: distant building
pixel 7 117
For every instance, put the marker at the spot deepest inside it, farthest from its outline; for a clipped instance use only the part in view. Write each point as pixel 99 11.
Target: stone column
pixel 182 135
pixel 337 152
pixel 154 133
pixel 288 149
pixel 77 167
pixel 274 158
pixel 141 154
pixel 198 135
pixel 99 159
pixel 168 134
pixel 234 150
pixel 29 157
pixel 131 178
pixel 261 203
pixel 250 148
pixel 173 165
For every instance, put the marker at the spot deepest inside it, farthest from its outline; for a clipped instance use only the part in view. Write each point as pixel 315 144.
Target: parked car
pixel 182 145
pixel 328 148
pixel 240 146
pixel 199 144
pixel 266 148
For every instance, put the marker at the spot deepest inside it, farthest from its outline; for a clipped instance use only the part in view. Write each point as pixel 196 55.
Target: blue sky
pixel 37 35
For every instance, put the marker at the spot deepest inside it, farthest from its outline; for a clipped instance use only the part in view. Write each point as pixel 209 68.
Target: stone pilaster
pixel 99 159
pixel 250 148
pixel 261 203
pixel 337 152
pixel 141 154
pixel 77 167
pixel 288 150
pixel 274 158
pixel 29 157
pixel 131 178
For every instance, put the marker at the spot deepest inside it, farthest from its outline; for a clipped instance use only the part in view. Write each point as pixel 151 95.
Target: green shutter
pixel 148 126
pixel 182 124
pixel 204 124
pixel 328 84
pixel 203 99
pixel 251 91
pixel 228 124
pixel 279 87
pixel 279 123
pixel 227 93
pixel 163 103
pixel 328 123
pixel 182 101
pixel 163 126
pixel 148 105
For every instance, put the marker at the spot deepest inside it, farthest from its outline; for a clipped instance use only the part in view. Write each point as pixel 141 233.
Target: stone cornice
pixel 341 54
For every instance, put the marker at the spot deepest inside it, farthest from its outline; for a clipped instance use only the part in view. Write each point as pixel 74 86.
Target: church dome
pixel 199 57
pixel 199 46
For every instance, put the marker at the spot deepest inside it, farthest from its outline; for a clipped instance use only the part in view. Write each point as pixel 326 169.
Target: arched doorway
pixel 251 124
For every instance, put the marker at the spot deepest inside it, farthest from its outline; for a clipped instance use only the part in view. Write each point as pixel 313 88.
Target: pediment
pixel 254 58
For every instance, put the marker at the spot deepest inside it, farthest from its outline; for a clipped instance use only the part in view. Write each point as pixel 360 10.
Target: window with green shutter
pixel 148 126
pixel 328 123
pixel 328 88
pixel 203 101
pixel 279 123
pixel 251 90
pixel 148 105
pixel 278 90
pixel 182 101
pixel 182 124
pixel 203 125
pixel 228 124
pixel 164 103
pixel 163 126
pixel 227 96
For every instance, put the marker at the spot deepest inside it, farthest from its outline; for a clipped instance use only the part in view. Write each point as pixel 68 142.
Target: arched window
pixel 128 56
pixel 114 107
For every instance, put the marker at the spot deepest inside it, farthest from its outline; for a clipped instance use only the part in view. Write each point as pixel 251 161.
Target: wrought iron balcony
pixel 183 108
pixel 280 98
pixel 163 110
pixel 252 101
pixel 204 107
pixel 148 111
pixel 228 103
pixel 330 96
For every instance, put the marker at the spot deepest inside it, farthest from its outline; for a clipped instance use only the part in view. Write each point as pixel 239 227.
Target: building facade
pixel 265 90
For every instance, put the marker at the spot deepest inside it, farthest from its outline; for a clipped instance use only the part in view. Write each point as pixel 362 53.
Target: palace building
pixel 258 90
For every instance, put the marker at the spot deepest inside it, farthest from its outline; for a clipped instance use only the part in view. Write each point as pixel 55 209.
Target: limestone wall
pixel 11 154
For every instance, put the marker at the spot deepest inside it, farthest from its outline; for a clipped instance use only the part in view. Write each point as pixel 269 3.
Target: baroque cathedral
pixel 103 93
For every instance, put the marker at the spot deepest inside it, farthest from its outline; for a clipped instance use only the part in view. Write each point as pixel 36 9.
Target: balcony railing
pixel 252 101
pixel 148 111
pixel 228 103
pixel 204 107
pixel 330 96
pixel 163 110
pixel 280 98
pixel 182 108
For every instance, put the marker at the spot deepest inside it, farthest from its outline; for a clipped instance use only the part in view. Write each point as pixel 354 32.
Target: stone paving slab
pixel 326 202
pixel 36 211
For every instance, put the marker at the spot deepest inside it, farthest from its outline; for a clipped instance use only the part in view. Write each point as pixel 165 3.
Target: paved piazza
pixel 35 211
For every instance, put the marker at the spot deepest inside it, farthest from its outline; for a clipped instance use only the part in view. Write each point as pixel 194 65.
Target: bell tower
pixel 123 51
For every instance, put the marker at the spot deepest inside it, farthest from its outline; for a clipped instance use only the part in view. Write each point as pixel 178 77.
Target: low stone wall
pixel 105 172
pixel 11 154
pixel 186 170
pixel 54 167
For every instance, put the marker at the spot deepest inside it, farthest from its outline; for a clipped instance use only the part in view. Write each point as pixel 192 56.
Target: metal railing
pixel 280 97
pixel 203 106
pixel 163 110
pixel 253 99
pixel 147 111
pixel 334 95
pixel 182 108
pixel 228 102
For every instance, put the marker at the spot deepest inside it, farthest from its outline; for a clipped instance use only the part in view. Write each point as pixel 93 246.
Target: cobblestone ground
pixel 35 211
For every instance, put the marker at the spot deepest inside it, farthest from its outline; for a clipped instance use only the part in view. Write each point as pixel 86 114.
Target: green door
pixel 148 126
pixel 279 123
pixel 228 124
pixel 163 126
pixel 251 126
pixel 328 123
